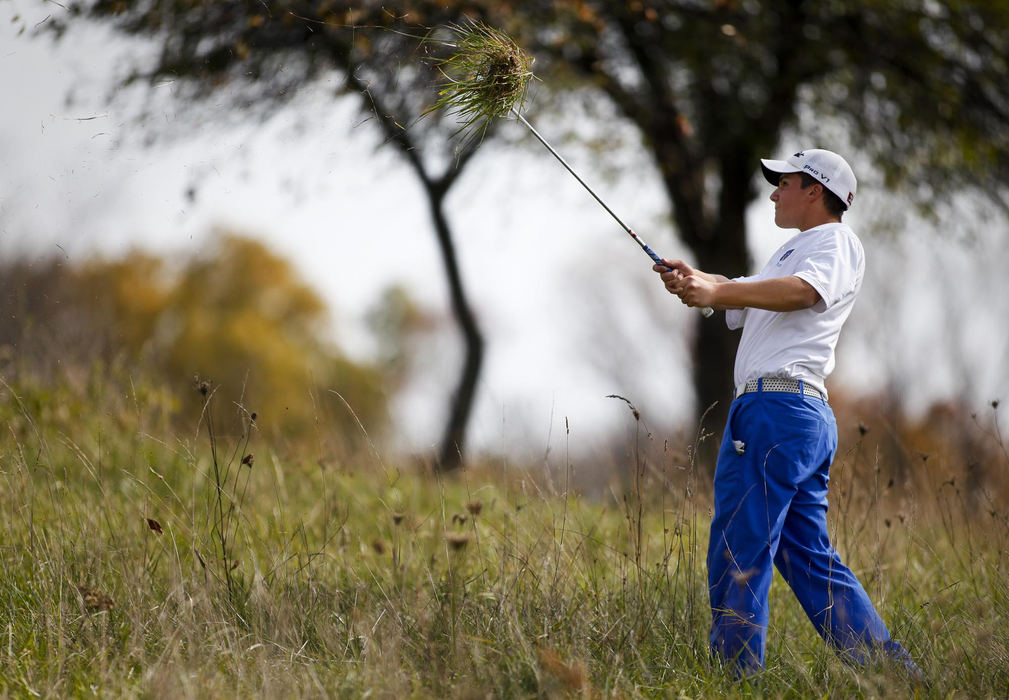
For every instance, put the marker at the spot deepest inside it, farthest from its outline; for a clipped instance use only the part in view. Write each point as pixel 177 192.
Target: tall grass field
pixel 140 558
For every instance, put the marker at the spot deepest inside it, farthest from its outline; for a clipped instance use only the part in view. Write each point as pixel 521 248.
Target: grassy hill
pixel 140 560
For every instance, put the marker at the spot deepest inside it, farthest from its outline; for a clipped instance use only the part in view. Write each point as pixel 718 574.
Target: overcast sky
pixel 569 304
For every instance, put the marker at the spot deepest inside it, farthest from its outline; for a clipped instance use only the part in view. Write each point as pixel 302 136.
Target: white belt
pixel 780 384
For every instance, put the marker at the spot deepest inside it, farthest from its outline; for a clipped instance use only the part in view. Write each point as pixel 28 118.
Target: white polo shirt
pixel 800 344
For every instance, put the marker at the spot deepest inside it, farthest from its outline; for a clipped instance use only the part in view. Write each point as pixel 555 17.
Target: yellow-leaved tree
pixel 234 314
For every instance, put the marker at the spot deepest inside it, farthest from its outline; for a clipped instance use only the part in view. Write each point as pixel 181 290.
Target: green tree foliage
pixel 236 315
pixel 920 85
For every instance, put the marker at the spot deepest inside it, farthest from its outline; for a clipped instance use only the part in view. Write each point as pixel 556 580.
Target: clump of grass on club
pixel 485 78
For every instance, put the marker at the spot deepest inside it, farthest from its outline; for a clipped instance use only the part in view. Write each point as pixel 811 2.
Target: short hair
pixel 833 203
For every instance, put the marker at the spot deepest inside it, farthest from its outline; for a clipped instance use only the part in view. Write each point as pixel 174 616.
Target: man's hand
pixel 697 288
pixel 693 287
pixel 696 291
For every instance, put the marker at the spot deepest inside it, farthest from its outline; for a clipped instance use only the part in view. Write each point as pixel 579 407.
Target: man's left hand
pixel 695 291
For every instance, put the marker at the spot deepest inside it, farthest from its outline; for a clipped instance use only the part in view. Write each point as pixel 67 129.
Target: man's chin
pixel 782 222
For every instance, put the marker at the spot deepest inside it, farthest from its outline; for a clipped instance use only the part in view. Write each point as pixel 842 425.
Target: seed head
pixel 634 411
pixel 457 540
pixel 201 385
pixel 94 600
pixel 742 577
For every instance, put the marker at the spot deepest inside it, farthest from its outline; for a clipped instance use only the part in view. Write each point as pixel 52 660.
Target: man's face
pixel 790 201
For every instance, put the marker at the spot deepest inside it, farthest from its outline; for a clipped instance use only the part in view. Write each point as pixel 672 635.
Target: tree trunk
pixel 714 353
pixel 718 241
pixel 452 447
pixel 723 251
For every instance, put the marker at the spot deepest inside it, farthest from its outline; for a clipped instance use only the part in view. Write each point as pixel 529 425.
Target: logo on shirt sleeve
pixel 785 256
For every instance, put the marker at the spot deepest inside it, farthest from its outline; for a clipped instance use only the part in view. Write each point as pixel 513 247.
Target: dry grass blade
pixel 486 77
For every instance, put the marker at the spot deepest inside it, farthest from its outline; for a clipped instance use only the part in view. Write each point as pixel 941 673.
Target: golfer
pixel 771 476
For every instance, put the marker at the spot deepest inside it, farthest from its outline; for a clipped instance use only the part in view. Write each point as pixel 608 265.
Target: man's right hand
pixel 673 272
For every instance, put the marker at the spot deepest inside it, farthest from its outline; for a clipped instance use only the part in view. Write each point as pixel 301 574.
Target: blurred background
pixel 246 194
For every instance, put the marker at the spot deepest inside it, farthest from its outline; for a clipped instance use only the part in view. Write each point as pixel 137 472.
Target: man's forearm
pixel 780 294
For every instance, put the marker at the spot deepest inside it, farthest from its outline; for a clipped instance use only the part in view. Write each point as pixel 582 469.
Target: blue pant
pixel 771 506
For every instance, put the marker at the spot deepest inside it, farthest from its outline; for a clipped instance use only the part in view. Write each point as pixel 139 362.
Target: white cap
pixel 830 169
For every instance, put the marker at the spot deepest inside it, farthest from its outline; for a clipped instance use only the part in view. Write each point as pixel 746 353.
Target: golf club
pixel 706 311
pixel 486 78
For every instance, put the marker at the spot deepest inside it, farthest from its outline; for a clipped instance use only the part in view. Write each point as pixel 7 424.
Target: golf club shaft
pixel 705 311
